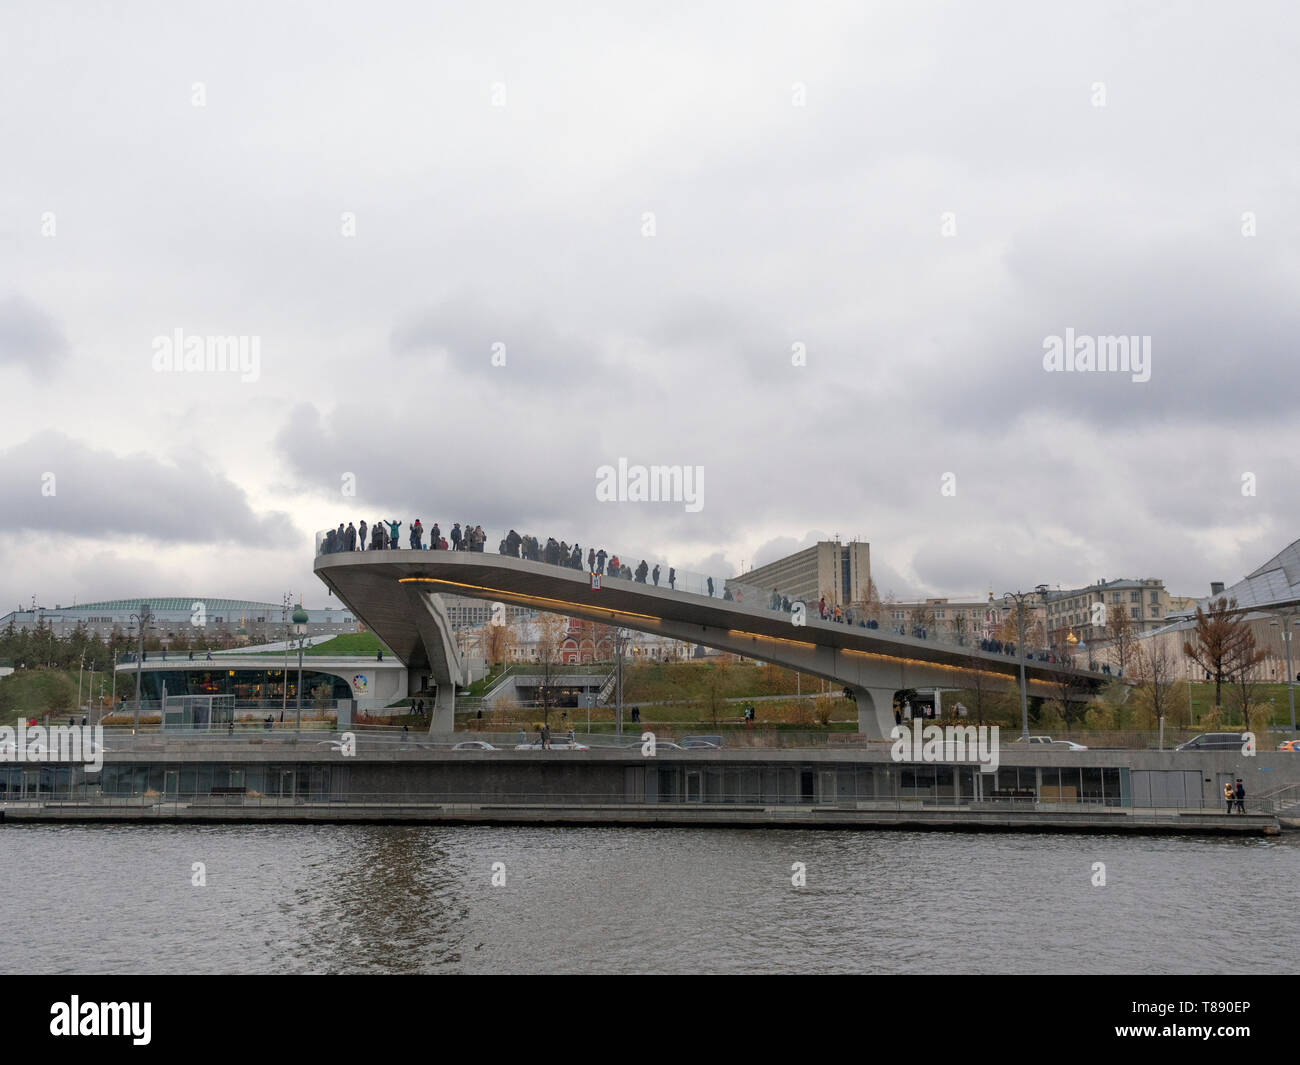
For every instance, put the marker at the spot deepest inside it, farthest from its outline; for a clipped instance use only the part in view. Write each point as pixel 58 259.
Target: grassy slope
pixel 36 692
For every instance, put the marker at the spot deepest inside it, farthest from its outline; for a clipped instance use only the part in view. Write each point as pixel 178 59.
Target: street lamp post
pixel 1287 622
pixel 300 629
pixel 1020 598
pixel 284 673
pixel 618 683
pixel 142 620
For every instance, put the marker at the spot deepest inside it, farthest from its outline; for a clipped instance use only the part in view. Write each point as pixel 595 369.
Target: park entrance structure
pixel 397 595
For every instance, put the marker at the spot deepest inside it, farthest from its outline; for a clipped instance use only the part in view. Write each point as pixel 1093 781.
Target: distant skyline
pixel 818 251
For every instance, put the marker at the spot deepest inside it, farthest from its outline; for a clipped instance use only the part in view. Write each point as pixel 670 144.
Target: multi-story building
pixel 974 616
pixel 240 618
pixel 1084 611
pixel 839 571
pixel 245 620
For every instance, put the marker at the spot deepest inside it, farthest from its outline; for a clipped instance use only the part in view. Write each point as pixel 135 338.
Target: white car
pixel 1047 741
pixel 474 745
pixel 553 747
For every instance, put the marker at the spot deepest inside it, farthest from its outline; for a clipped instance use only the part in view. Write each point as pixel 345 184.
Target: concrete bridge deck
pixel 396 594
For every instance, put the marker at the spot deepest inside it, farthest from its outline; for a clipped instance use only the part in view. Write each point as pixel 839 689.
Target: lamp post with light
pixel 1286 620
pixel 300 632
pixel 1020 599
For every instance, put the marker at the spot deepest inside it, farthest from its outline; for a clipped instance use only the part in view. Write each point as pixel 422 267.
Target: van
pixel 1214 741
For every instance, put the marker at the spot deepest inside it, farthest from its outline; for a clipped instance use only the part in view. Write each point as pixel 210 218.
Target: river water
pixel 406 899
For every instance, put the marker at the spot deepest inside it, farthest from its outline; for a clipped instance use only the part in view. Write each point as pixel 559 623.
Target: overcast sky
pixel 651 208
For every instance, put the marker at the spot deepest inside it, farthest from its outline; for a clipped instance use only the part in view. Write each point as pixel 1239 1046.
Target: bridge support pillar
pixel 875 711
pixel 443 717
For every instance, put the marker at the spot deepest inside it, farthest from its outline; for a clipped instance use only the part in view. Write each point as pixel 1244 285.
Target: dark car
pixel 1214 741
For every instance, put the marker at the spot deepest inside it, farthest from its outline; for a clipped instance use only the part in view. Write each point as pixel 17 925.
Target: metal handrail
pixel 234 797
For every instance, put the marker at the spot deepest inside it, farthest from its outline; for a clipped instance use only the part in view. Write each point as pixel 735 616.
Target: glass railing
pixel 633 568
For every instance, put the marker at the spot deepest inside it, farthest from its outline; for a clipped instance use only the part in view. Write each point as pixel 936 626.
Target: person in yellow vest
pixel 1228 794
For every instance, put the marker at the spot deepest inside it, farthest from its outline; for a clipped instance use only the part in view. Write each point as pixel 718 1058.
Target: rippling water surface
pixel 330 898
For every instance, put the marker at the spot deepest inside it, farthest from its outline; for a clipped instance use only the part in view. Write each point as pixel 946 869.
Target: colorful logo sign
pixel 360 683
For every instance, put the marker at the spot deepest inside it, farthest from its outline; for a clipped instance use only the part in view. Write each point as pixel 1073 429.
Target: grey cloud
pixel 29 337
pixel 57 486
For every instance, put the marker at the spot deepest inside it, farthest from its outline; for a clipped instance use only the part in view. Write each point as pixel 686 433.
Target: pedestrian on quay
pixel 1228 794
pixel 1241 796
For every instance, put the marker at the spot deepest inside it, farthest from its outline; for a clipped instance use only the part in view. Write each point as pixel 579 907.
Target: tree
pixel 1121 635
pixel 1156 671
pixel 960 626
pixel 551 630
pixel 920 619
pixel 1243 659
pixel 1222 644
pixel 1067 687
pixel 715 689
pixel 496 641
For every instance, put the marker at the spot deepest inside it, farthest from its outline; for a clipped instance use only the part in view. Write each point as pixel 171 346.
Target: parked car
pixel 1047 741
pixel 1214 741
pixel 701 743
pixel 1289 745
pixel 474 745
pixel 556 746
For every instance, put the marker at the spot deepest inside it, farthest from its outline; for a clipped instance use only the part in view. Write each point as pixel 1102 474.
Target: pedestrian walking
pixel 1241 796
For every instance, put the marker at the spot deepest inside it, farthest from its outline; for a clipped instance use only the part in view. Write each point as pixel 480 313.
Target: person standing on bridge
pixel 455 537
pixel 654 574
pixel 435 537
pixel 591 560
pixel 641 572
pixel 821 607
pixel 394 535
pixel 672 578
pixel 600 560
pixel 1241 796
pixel 710 587
pixel 350 537
pixel 361 539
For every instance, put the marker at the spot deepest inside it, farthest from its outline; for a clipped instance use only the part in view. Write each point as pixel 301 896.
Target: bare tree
pixel 1244 658
pixel 959 626
pixel 551 630
pixel 1121 635
pixel 920 619
pixel 1067 688
pixel 1156 672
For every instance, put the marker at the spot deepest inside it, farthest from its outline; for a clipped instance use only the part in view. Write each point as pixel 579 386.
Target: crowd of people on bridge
pixel 385 535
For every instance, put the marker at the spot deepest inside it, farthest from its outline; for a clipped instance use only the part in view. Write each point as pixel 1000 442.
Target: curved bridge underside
pixel 396 594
